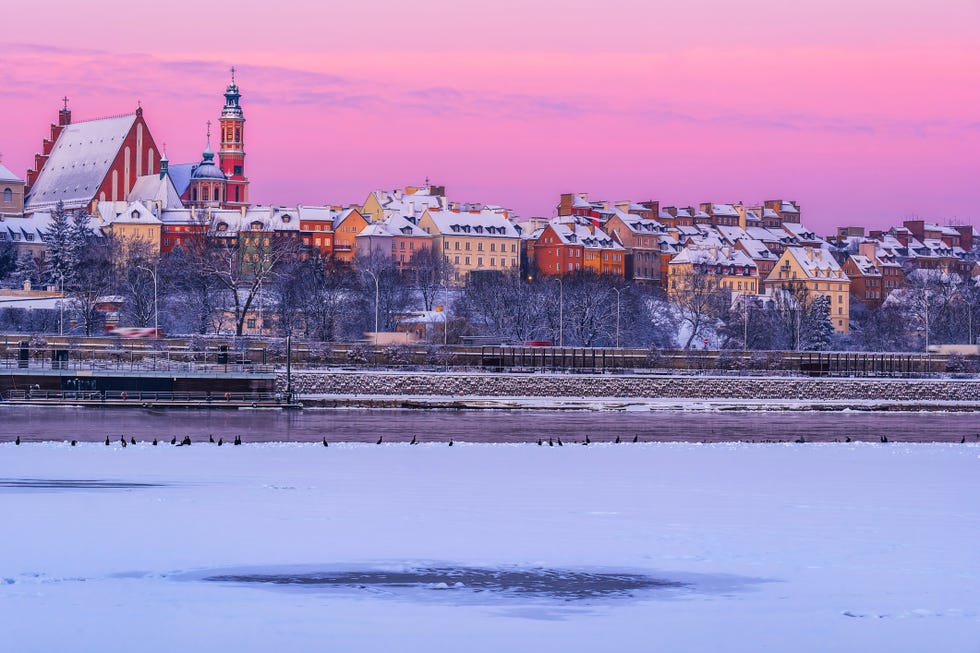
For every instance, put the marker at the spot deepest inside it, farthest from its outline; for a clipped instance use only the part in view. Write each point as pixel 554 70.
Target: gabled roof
pixel 483 223
pixel 79 162
pixel 7 176
pixel 578 234
pixel 126 213
pixel 817 263
pixel 756 249
pixel 865 265
pixel 154 188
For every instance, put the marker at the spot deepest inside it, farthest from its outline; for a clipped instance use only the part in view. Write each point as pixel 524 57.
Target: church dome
pixel 207 169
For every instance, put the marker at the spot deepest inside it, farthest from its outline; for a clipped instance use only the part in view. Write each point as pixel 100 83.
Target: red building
pixel 83 163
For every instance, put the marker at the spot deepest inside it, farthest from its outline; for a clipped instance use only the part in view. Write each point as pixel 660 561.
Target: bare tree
pixel 699 300
pixel 94 281
pixel 429 271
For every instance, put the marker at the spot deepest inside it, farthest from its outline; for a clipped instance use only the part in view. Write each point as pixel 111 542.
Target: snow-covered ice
pixel 477 547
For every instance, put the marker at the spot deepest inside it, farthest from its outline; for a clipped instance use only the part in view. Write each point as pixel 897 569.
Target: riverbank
pixel 617 404
pixel 397 389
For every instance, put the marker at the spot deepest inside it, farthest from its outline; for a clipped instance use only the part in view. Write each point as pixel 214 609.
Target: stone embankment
pixel 804 389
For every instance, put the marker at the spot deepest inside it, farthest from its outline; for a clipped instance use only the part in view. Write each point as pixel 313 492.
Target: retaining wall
pixel 582 385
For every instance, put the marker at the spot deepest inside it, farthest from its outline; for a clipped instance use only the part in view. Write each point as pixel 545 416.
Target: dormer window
pixel 222 226
pixel 135 214
pixel 256 226
pixel 286 218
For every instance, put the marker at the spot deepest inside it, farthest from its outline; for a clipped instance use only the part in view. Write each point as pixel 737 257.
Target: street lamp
pixel 156 312
pixel 445 315
pixel 377 295
pixel 61 306
pixel 618 292
pixel 561 312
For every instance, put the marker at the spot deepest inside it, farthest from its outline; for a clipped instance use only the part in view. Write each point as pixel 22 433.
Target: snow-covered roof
pixel 154 188
pixel 731 234
pixel 727 256
pixel 817 263
pixel 724 209
pixel 639 225
pixel 376 230
pixel 768 235
pixel 7 176
pixel 789 207
pixel 126 213
pixel 30 228
pixel 579 234
pixel 865 265
pixel 797 230
pixel 484 223
pixel 756 249
pixel 79 162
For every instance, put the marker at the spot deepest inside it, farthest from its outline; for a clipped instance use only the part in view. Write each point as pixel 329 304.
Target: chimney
pixel 740 208
pixel 867 248
pixel 64 117
pixel 809 253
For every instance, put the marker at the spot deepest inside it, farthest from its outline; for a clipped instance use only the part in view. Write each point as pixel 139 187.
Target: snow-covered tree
pixel 817 329
pixel 26 269
pixel 60 255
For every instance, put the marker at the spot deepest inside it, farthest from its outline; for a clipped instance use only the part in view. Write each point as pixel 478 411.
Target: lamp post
pixel 445 315
pixel 61 306
pixel 618 292
pixel 377 296
pixel 156 312
pixel 561 312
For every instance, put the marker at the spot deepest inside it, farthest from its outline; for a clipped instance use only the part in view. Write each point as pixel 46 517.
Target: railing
pixel 143 396
pixel 103 356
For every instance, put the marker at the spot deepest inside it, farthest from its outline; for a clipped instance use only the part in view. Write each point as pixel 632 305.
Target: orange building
pixel 565 247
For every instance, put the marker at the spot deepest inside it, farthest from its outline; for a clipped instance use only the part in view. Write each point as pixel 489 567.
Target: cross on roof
pixel 209 131
pixel 65 100
pixel 232 74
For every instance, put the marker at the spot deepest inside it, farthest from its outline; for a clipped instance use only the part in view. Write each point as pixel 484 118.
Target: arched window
pixel 204 194
pixel 8 196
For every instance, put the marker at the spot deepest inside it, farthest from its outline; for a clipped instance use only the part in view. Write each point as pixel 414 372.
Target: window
pixel 493 262
pixel 204 194
pixel 479 247
pixel 251 323
pixel 467 260
pixel 456 246
pixel 456 259
pixel 8 196
pixel 445 244
pixel 493 247
pixel 479 261
pixel 467 245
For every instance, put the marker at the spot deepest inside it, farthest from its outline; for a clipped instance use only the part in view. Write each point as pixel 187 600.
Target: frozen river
pixel 394 425
pixel 485 548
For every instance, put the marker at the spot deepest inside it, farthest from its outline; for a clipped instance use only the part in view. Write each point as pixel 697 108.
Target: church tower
pixel 232 151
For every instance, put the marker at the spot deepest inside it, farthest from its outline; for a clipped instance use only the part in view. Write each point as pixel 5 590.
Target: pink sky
pixel 866 112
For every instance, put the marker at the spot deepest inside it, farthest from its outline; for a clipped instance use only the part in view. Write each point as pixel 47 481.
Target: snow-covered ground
pixel 475 547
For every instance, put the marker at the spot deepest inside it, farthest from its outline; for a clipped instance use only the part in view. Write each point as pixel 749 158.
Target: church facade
pixel 84 164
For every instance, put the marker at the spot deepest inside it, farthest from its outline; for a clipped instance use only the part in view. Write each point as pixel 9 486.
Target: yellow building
pixel 474 240
pixel 816 270
pixel 11 194
pixel 407 203
pixel 130 223
pixel 713 268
